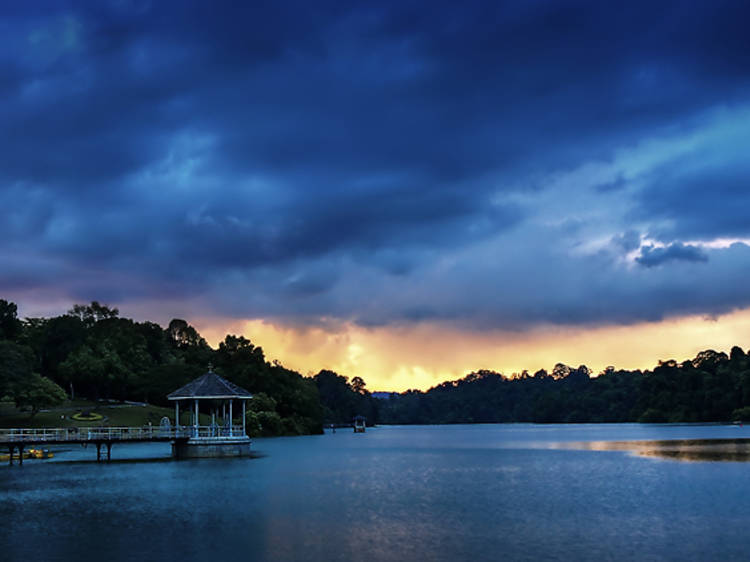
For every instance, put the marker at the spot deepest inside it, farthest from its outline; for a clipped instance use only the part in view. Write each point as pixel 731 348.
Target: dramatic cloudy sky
pixel 403 191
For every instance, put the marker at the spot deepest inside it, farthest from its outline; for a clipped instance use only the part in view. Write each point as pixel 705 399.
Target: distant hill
pixel 383 395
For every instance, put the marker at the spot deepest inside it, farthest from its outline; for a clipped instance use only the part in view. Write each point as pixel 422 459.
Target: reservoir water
pixel 472 492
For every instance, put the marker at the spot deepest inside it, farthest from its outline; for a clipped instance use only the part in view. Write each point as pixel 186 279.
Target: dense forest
pixel 713 387
pixel 91 352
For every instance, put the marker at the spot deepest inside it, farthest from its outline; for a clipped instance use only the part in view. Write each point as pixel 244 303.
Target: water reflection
pixel 733 450
pixel 128 460
pixel 447 493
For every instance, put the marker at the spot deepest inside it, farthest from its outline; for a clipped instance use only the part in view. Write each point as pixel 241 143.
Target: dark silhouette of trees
pixel 358 385
pixel 38 392
pixel 92 352
pixel 713 387
pixel 19 382
pixel 10 325
pixel 342 400
pixel 92 313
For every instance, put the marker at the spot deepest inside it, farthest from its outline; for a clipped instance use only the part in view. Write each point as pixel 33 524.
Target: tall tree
pixel 15 366
pixel 92 313
pixel 358 385
pixel 10 325
pixel 38 392
pixel 183 334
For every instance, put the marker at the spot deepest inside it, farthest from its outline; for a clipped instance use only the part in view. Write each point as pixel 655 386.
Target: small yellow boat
pixel 41 453
pixel 30 454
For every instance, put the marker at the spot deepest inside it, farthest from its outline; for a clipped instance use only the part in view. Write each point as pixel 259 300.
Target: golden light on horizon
pixel 423 355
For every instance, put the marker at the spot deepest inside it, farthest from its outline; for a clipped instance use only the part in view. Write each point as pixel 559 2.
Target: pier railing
pixel 84 434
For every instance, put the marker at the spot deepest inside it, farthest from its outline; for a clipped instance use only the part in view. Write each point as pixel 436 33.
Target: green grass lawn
pixel 116 415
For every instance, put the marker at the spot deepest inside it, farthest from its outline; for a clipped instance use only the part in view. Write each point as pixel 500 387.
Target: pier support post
pixel 20 455
pixel 109 451
pixel 98 452
pixel 10 456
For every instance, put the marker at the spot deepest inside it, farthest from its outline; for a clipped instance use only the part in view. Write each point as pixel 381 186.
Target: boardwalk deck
pixel 19 438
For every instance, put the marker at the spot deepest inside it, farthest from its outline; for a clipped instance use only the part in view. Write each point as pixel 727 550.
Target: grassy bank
pixel 114 414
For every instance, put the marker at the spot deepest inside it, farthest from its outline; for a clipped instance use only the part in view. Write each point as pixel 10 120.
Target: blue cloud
pixel 339 161
pixel 651 256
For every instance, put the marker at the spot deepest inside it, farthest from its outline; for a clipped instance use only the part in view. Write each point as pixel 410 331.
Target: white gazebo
pixel 222 437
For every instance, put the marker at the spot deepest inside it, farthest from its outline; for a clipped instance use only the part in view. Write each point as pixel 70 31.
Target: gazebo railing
pixel 208 431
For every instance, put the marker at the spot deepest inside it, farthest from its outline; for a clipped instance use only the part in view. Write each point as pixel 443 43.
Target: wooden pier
pixel 220 439
pixel 20 438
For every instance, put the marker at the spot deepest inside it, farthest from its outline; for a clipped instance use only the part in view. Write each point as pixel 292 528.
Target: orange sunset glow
pixel 418 357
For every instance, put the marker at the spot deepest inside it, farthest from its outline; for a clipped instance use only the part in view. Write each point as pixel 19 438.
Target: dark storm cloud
pixel 652 256
pixel 701 202
pixel 323 159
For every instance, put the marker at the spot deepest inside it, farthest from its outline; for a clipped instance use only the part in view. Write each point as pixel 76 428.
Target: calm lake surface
pixel 473 492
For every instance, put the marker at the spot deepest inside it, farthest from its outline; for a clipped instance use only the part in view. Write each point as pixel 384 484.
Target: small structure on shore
pixel 221 438
pixel 359 424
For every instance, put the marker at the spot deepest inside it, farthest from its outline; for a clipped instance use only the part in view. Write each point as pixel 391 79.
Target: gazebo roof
pixel 209 386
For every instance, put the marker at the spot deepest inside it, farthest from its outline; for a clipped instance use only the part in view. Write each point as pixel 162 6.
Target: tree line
pixel 712 387
pixel 91 352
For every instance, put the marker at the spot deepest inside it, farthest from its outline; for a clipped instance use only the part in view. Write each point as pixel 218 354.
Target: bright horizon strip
pixel 425 355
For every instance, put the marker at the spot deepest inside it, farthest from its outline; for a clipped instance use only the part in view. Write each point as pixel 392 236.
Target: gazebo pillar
pixel 177 414
pixel 230 418
pixel 244 431
pixel 196 417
